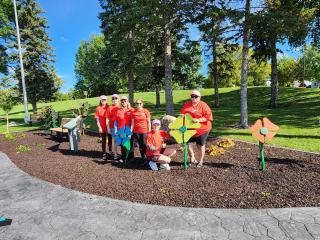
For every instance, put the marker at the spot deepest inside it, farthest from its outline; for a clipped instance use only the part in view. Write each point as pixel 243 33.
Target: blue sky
pixel 71 21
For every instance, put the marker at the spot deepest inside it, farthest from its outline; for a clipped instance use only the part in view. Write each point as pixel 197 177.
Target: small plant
pixel 40 145
pixel 9 137
pixel 226 143
pixel 265 194
pixel 49 118
pixel 214 150
pixel 23 148
pixel 8 98
pixel 164 191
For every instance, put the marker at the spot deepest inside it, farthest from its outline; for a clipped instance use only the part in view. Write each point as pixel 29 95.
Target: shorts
pixel 164 151
pixel 200 140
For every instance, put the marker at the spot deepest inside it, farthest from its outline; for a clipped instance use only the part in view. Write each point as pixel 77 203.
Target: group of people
pixel 148 134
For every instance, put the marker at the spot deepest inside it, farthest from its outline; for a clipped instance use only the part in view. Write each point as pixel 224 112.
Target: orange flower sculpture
pixel 263 130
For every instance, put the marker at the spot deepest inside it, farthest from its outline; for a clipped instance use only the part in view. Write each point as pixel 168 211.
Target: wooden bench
pixel 60 130
pixel 64 131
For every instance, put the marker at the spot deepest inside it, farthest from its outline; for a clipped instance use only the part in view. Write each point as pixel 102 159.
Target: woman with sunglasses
pixel 122 115
pixel 201 113
pixel 157 153
pixel 140 126
pixel 100 115
pixel 110 125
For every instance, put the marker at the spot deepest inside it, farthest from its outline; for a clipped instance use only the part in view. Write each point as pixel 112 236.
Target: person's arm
pixel 99 126
pixel 149 124
pixel 132 125
pixel 108 125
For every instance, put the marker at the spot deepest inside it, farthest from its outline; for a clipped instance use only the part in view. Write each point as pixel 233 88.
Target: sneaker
pixel 153 166
pixel 104 156
pixel 120 161
pixel 165 166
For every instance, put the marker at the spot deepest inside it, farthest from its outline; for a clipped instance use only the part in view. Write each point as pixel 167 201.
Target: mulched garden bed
pixel 230 180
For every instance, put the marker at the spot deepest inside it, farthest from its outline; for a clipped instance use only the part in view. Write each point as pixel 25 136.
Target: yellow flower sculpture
pixel 182 129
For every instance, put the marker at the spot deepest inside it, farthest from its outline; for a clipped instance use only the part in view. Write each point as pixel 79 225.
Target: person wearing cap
pixel 140 126
pixel 110 125
pixel 100 115
pixel 201 113
pixel 122 118
pixel 157 153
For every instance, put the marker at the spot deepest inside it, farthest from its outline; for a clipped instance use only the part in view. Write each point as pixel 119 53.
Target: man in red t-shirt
pixel 140 126
pixel 156 147
pixel 201 113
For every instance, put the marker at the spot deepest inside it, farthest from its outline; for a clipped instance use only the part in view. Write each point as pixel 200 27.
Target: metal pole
pixel 25 100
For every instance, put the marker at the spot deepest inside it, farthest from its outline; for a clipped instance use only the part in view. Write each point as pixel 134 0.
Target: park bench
pixel 60 131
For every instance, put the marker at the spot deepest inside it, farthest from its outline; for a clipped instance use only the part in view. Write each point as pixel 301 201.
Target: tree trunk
pixel 274 75
pixel 215 74
pixel 157 97
pixel 34 105
pixel 130 71
pixel 168 71
pixel 7 115
pixel 244 70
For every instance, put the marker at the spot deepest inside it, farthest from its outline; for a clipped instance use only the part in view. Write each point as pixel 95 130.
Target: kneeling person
pixel 156 147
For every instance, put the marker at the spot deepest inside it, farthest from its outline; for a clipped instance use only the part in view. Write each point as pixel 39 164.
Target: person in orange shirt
pixel 156 147
pixel 110 125
pixel 140 126
pixel 122 117
pixel 100 116
pixel 201 113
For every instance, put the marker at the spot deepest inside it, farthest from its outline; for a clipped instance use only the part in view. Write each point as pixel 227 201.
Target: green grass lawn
pixel 298 114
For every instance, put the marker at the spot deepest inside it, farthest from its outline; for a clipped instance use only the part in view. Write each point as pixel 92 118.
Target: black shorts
pixel 200 140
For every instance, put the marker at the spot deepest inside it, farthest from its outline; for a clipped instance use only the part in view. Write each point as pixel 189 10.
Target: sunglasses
pixel 114 98
pixel 103 100
pixel 139 103
pixel 156 124
pixel 194 96
pixel 123 100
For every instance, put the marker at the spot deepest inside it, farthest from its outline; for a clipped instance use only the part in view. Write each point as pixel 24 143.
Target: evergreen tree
pixel 37 56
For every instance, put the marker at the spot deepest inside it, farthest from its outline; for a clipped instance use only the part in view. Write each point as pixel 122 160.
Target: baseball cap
pixel 115 96
pixel 156 121
pixel 103 97
pixel 196 92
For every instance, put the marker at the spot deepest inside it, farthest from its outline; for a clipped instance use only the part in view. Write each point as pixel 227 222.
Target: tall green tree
pixel 217 21
pixel 287 71
pixel 308 65
pixel 279 21
pixel 38 55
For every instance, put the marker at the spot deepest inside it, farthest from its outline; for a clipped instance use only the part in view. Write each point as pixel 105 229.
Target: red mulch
pixel 231 180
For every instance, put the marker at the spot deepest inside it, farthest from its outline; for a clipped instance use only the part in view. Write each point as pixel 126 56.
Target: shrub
pixel 23 148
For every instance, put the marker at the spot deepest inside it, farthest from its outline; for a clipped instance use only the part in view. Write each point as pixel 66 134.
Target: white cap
pixel 196 92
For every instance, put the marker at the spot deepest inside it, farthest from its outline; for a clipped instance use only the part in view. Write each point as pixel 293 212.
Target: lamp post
pixel 25 100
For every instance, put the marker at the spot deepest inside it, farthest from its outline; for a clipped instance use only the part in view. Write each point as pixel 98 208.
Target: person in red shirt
pixel 201 113
pixel 122 117
pixel 156 147
pixel 140 126
pixel 110 125
pixel 100 116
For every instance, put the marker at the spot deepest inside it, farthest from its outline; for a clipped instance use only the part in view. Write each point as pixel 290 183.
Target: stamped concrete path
pixel 41 210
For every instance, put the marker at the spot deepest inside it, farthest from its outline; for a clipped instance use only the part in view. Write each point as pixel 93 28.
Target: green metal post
pixel 262 156
pixel 185 156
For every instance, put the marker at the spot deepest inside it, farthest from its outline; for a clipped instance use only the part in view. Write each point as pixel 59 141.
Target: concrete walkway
pixel 41 210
